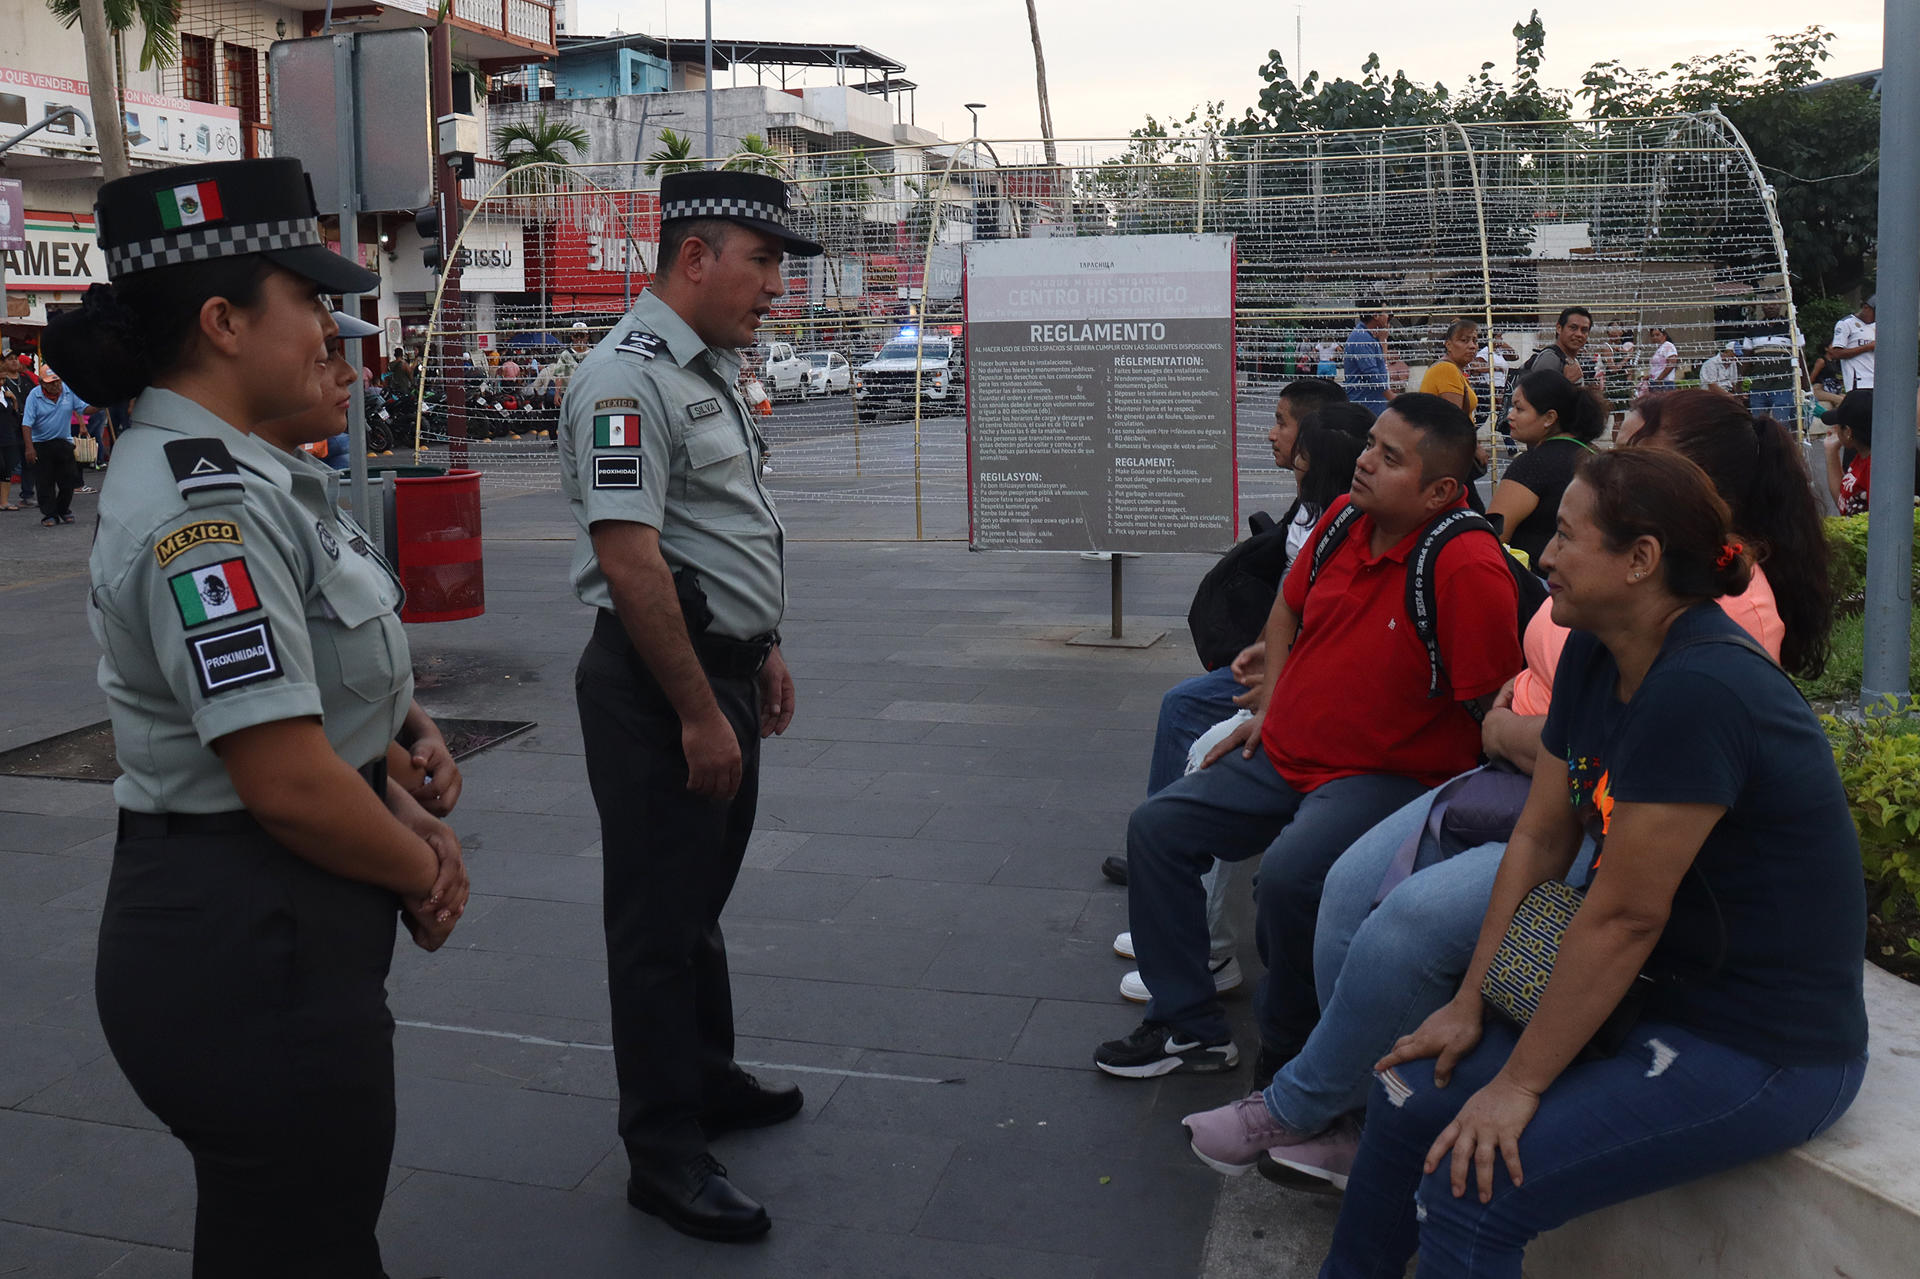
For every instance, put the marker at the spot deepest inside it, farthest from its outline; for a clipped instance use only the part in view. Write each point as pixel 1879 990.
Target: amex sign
pixel 1100 393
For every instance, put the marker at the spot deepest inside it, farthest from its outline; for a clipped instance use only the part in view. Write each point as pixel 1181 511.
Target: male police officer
pixel 681 553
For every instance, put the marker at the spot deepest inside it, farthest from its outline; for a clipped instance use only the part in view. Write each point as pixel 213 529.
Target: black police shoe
pixel 695 1198
pixel 746 1102
pixel 1115 869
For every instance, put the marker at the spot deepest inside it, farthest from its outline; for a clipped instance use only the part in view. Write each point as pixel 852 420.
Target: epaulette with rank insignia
pixel 204 470
pixel 641 343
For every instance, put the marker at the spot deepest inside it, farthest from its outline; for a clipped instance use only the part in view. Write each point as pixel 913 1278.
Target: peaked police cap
pixel 752 199
pixel 199 212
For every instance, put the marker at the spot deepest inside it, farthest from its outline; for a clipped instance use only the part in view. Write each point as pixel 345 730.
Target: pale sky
pixel 1111 62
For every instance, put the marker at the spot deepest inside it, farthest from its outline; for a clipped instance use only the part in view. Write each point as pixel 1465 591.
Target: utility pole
pixel 1040 78
pixel 708 153
pixel 1897 366
pixel 103 87
pixel 447 184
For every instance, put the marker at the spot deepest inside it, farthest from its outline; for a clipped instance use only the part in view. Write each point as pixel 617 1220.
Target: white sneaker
pixel 1226 975
pixel 1123 945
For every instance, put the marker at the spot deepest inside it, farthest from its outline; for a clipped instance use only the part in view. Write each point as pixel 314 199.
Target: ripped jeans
pixel 1669 1108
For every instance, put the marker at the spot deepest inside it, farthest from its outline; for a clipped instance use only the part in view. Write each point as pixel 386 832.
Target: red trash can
pixel 437 529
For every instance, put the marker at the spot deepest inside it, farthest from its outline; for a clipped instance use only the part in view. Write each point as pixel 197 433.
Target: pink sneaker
pixel 1232 1138
pixel 1325 1158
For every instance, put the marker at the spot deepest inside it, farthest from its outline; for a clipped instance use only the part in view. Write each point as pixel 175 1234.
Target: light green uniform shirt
pixel 653 432
pixel 228 591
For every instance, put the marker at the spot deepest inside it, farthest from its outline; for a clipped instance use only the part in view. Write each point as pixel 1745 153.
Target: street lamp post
pixel 974 109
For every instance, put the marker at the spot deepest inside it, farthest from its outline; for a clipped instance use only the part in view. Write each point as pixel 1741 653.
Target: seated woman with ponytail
pixel 1558 421
pixel 1727 891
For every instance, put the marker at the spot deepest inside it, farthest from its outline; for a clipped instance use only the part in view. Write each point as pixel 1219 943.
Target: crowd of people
pixel 1414 775
pixel 1555 886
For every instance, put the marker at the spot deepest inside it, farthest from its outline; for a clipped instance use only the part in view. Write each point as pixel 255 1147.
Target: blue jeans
pixel 1231 811
pixel 1777 403
pixel 1606 1131
pixel 1379 971
pixel 1189 709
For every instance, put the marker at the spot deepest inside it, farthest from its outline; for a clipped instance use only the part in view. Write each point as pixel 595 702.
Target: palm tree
pixel 538 141
pixel 1040 77
pixel 159 19
pixel 674 156
pixel 756 155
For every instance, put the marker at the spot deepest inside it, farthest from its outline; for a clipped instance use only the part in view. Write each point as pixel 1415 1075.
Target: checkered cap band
pixel 725 208
pixel 197 244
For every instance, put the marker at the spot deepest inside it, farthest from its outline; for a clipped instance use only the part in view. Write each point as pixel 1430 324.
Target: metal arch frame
pixel 1768 201
pixel 1486 299
pixel 452 252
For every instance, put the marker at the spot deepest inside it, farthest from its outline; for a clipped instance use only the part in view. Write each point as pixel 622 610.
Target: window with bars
pixel 243 82
pixel 198 76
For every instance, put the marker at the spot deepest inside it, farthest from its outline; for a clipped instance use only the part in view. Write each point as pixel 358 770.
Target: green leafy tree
pixel 1817 144
pixel 674 156
pixel 757 155
pixel 159 20
pixel 539 141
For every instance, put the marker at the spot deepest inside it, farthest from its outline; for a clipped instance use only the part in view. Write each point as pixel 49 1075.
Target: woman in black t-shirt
pixel 1728 873
pixel 1558 421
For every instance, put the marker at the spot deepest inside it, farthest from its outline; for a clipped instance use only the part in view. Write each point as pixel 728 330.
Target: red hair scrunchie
pixel 1728 553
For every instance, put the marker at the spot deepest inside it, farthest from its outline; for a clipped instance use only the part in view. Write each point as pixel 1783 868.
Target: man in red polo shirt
pixel 1343 734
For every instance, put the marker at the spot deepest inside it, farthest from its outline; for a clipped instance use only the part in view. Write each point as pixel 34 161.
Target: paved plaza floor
pixel 921 940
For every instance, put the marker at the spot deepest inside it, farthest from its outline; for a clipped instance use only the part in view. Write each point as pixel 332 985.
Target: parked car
pixel 781 371
pixel 885 383
pixel 827 372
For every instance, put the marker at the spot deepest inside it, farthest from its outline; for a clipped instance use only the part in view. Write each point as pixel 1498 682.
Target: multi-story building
pixel 211 102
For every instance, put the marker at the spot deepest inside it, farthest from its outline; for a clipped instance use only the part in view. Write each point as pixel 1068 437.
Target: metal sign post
pixel 345 95
pixel 344 105
pixel 1890 519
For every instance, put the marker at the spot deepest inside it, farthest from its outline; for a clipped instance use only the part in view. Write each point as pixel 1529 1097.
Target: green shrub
pixel 1879 762
pixel 1817 317
pixel 1846 661
pixel 1847 541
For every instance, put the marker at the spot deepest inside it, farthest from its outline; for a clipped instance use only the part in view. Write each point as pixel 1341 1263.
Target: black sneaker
pixel 1155 1049
pixel 1267 1063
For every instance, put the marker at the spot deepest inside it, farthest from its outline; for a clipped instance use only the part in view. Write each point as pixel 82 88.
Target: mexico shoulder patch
pixel 230 659
pixel 616 430
pixel 618 471
pixel 214 591
pixel 187 536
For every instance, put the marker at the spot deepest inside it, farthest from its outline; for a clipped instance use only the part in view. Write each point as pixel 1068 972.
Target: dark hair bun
pixel 98 350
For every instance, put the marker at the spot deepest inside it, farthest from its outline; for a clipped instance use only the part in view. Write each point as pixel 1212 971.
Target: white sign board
pixel 492 258
pixel 159 128
pixel 1100 393
pixel 58 257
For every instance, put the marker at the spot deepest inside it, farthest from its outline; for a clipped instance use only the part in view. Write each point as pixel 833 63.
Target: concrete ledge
pixel 1846 1204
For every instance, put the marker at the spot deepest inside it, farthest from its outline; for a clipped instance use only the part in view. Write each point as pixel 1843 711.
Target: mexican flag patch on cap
pixel 216 591
pixel 189 205
pixel 616 431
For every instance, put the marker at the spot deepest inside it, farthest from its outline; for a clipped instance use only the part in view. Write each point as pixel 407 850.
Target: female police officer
pixel 256 675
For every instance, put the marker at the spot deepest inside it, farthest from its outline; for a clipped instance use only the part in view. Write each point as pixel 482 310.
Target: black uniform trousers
pixel 243 992
pixel 55 476
pixel 670 859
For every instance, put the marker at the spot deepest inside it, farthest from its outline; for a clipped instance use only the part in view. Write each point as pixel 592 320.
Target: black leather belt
pixel 134 825
pixel 719 655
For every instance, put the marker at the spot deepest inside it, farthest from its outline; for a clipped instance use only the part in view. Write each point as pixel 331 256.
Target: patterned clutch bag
pixel 1521 967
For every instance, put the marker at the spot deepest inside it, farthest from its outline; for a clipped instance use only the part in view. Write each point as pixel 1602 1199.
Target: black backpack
pixel 1235 598
pixel 1421 605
